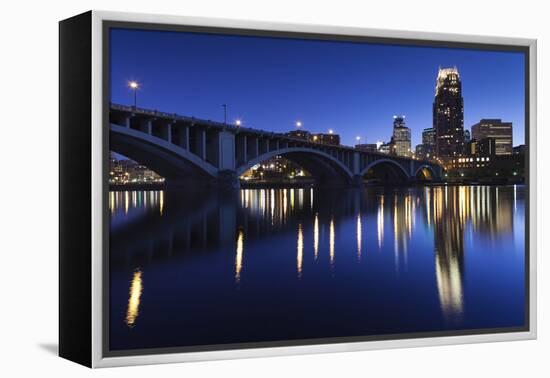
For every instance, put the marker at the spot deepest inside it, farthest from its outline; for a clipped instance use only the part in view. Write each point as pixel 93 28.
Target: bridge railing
pixel 229 126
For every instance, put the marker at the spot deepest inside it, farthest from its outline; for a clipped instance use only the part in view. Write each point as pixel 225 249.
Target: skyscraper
pixel 401 137
pixel 428 142
pixel 467 137
pixel 495 129
pixel 448 114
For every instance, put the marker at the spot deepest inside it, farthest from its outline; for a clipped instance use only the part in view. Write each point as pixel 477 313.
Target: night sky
pixel 270 83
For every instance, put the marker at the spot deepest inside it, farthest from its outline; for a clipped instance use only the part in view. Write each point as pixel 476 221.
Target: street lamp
pixel 134 85
pixel 224 106
pixel 330 131
pixel 357 138
pixel 238 122
pixel 298 124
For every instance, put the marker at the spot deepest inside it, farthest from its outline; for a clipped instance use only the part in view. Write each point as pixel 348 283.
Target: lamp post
pixel 224 113
pixel 134 85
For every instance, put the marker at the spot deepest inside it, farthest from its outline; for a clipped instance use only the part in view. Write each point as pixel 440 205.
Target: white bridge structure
pixel 191 151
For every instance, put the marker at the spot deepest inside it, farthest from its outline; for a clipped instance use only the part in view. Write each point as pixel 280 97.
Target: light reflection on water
pixel 134 299
pixel 439 250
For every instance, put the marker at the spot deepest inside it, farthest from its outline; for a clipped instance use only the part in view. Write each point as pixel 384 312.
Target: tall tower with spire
pixel 448 114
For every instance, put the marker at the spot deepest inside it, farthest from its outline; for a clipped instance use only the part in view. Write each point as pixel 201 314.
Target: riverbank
pixel 136 186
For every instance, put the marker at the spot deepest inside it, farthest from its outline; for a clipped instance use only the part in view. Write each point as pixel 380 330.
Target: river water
pixel 257 265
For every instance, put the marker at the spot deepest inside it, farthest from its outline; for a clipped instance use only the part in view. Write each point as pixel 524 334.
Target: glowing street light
pixel 298 124
pixel 357 138
pixel 238 122
pixel 330 131
pixel 224 106
pixel 134 85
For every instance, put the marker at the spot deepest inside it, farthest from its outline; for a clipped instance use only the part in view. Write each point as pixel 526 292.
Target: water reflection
pixel 316 236
pixel 359 233
pixel 331 242
pixel 136 288
pixel 239 256
pixel 425 238
pixel 380 224
pixel 300 251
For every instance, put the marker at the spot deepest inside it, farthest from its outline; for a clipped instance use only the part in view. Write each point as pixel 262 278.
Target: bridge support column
pixel 167 131
pixel 357 181
pixel 146 126
pixel 185 137
pixel 253 147
pixel 356 163
pixel 226 150
pixel 200 142
pixel 228 180
pixel 240 149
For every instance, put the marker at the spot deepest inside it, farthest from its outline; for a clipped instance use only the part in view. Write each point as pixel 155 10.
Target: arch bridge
pixel 191 151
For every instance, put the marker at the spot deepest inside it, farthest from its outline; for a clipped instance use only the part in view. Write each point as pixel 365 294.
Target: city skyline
pixel 347 87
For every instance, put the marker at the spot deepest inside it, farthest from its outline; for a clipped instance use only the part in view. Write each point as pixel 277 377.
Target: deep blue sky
pixel 269 83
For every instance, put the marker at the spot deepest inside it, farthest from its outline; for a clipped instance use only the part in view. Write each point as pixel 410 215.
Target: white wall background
pixel 28 204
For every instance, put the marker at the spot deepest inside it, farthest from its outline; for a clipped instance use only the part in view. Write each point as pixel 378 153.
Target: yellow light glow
pixel 239 256
pixel 380 222
pixel 359 236
pixel 126 202
pixel 331 241
pixel 300 250
pixel 316 237
pixel 136 287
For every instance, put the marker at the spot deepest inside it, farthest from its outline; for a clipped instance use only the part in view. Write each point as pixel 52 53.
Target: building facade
pixel 299 134
pixel 495 129
pixel 420 151
pixel 330 138
pixel 368 147
pixel 401 137
pixel 448 114
pixel 428 143
pixel 385 148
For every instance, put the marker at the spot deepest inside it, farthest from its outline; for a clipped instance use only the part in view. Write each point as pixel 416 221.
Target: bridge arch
pixel 427 172
pixel 324 167
pixel 163 157
pixel 390 169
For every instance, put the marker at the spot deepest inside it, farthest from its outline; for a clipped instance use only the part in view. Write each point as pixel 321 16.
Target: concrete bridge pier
pixel 357 181
pixel 228 180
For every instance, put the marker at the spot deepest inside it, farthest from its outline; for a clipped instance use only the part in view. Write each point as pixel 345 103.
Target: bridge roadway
pixel 191 151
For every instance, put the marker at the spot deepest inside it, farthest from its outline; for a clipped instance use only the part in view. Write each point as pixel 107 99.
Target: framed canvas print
pixel 236 189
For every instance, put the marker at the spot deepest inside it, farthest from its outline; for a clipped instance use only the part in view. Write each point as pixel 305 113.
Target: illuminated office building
pixel 448 114
pixel 495 129
pixel 401 137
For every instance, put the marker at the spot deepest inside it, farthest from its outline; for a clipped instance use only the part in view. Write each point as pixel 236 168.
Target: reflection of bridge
pixel 184 149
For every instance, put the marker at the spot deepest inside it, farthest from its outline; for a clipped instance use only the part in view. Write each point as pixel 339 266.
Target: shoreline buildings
pixel 401 138
pixel 448 114
pixel 495 129
pixel 426 150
